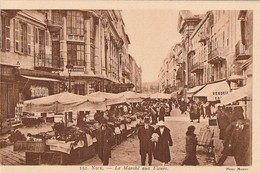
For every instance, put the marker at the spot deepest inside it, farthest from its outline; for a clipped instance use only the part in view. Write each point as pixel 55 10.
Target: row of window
pixel 24 35
pixel 27 35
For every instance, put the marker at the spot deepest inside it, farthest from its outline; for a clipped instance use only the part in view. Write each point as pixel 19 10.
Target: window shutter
pixel 36 35
pixel 29 39
pixel 47 38
pixel 16 35
pixel 7 33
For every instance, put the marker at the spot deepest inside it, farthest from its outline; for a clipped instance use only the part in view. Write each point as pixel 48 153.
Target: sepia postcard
pixel 129 86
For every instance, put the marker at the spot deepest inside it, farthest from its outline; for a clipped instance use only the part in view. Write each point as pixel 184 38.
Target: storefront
pixel 35 84
pixel 9 92
pixel 214 91
pixel 194 90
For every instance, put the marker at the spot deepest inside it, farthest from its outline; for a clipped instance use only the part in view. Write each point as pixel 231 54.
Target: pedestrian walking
pixel 197 112
pixel 223 122
pixel 185 106
pixel 104 136
pixel 213 110
pixel 207 110
pixel 236 142
pixel 162 150
pixel 191 144
pixel 146 145
pixel 170 105
pixel 161 112
pixel 202 112
pixel 192 112
pixel 154 114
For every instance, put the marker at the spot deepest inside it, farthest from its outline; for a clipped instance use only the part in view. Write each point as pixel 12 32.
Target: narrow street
pixel 127 153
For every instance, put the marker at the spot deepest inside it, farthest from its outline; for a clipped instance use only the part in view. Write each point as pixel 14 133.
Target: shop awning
pixel 195 89
pixel 236 95
pixel 214 91
pixel 40 78
pixel 235 77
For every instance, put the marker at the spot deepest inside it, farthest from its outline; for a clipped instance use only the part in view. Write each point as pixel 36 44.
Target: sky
pixel 152 33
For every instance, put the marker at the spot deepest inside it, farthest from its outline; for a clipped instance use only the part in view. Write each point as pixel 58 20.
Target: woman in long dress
pixel 162 150
pixel 191 144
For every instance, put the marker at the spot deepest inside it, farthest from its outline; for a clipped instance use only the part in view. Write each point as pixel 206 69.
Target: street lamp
pixel 69 66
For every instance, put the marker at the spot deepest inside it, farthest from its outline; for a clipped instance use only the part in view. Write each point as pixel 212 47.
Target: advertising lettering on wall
pixel 39 91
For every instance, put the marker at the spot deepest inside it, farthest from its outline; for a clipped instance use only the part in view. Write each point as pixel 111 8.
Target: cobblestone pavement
pixel 127 153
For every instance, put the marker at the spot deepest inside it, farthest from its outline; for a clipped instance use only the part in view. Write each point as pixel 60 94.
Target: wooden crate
pixel 30 146
pixel 46 158
pixel 76 157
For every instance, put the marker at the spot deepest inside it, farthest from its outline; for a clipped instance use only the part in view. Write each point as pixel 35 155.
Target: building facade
pixel 44 52
pixel 215 47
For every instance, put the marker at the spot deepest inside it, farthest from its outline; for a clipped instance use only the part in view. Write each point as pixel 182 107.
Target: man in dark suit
pixel 161 112
pixel 104 136
pixel 146 145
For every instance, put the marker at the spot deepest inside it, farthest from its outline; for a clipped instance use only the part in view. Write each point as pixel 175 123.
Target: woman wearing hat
pixel 162 150
pixel 191 144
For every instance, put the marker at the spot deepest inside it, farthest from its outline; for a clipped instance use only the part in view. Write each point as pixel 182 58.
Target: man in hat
pixel 104 136
pixel 161 112
pixel 146 145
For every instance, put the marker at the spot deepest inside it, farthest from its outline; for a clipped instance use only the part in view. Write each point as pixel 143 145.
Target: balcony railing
pixel 203 38
pixel 196 68
pixel 215 56
pixel 54 26
pixel 45 61
pixel 77 62
pixel 241 52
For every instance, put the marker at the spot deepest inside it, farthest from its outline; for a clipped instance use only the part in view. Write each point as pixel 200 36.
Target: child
pixel 191 143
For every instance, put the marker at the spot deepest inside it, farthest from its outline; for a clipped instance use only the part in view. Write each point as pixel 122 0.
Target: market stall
pixel 73 139
pixel 63 145
pixel 131 97
pixel 110 98
pixel 160 96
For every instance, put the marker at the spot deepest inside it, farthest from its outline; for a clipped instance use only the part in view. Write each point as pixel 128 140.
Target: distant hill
pixel 150 87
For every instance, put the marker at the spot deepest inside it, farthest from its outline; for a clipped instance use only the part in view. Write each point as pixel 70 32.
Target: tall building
pixel 215 52
pixel 44 52
pixel 186 25
pixel 29 66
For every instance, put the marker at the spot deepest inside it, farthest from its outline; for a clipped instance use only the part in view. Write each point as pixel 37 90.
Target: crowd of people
pixel 147 113
pixel 155 138
pixel 234 131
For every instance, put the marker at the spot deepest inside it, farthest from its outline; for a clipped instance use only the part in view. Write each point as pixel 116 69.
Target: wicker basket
pixel 30 146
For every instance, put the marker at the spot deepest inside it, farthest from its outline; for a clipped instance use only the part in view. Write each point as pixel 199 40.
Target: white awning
pixel 195 89
pixel 235 77
pixel 40 78
pixel 236 95
pixel 214 91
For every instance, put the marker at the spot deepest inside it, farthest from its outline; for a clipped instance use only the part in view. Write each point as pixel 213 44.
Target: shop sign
pixel 219 94
pixel 39 91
